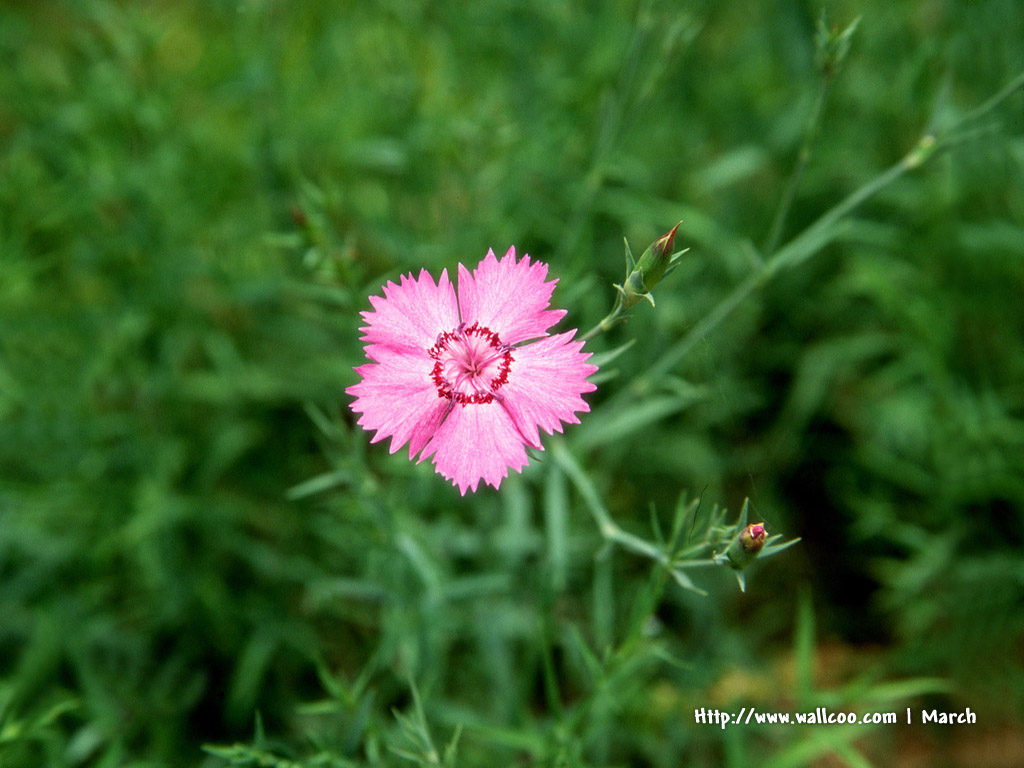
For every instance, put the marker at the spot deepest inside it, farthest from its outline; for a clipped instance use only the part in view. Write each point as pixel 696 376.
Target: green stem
pixel 801 247
pixel 810 240
pixel 609 321
pixel 807 242
pixel 994 101
pixel 607 133
pixel 609 529
pixel 810 134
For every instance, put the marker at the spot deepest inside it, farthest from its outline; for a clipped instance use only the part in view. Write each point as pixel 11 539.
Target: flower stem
pixel 608 322
pixel 609 529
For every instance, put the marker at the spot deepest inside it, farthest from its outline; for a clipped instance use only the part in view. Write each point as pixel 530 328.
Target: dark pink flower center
pixel 471 364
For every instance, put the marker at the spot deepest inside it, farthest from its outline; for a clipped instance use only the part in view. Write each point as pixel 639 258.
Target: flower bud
pixel 752 538
pixel 649 269
pixel 747 545
pixel 832 45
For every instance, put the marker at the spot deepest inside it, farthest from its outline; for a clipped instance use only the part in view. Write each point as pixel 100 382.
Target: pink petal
pixel 510 297
pixel 544 385
pixel 476 442
pixel 411 314
pixel 397 398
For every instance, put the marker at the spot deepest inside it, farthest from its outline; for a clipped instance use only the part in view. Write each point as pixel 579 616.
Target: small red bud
pixel 745 548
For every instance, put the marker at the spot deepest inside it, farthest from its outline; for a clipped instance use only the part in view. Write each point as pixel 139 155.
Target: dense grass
pixel 199 547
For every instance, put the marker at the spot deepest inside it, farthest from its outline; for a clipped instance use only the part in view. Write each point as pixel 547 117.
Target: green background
pixel 204 562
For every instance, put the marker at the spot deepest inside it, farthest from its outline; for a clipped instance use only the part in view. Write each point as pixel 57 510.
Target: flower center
pixel 471 364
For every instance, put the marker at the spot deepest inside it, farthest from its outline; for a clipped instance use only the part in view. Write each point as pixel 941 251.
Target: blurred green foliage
pixel 196 199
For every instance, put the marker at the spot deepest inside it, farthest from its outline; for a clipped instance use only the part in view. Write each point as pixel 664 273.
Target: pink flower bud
pixel 745 548
pixel 752 538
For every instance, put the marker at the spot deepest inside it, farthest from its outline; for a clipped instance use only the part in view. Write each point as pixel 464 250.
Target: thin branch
pixel 809 242
pixel 786 201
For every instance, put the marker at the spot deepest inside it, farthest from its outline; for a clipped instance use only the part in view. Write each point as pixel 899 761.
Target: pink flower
pixel 453 376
